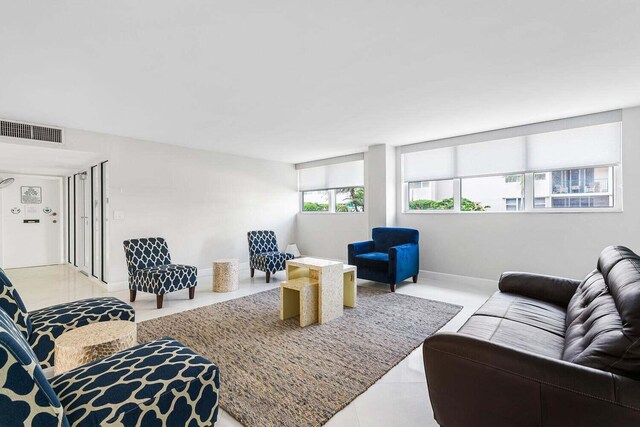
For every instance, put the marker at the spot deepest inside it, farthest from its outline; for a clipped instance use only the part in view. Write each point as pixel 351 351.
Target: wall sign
pixel 31 195
pixel 16 211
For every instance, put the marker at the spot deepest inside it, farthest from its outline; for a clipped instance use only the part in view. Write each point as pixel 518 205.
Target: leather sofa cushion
pixel 514 334
pixel 520 322
pixel 374 260
pixel 528 311
pixel 603 317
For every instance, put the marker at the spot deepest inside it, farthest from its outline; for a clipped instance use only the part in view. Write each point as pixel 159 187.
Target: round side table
pixel 90 342
pixel 225 275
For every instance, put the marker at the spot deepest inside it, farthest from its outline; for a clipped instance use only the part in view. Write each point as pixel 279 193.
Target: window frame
pixel 529 208
pixel 332 202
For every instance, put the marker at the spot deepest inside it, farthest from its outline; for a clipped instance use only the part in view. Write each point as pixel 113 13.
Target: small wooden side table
pixel 350 283
pixel 90 342
pixel 225 275
pixel 299 297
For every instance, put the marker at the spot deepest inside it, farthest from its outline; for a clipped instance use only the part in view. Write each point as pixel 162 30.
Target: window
pixel 575 188
pixel 514 204
pixel 350 199
pixel 315 201
pixel 430 195
pixel 562 164
pixel 493 193
pixel 332 185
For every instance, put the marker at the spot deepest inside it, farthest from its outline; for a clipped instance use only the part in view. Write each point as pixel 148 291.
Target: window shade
pixel 338 175
pixel 491 157
pixel 438 163
pixel 588 146
pixel 582 147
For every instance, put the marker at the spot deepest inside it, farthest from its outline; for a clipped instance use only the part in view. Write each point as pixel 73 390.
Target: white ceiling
pixel 33 160
pixel 300 80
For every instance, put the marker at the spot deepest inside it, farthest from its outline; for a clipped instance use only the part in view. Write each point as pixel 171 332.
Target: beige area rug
pixel 274 373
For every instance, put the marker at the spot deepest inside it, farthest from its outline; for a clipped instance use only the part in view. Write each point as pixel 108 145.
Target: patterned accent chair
pixel 150 269
pixel 157 383
pixel 391 256
pixel 264 254
pixel 40 328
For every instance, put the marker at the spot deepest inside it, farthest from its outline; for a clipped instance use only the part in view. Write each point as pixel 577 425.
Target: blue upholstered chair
pixel 150 269
pixel 264 254
pixel 158 383
pixel 390 257
pixel 40 328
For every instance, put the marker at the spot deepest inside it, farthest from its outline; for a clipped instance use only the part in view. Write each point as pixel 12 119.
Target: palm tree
pixel 356 197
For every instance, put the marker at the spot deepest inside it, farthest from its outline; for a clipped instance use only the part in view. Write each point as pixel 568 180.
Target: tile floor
pixel 399 398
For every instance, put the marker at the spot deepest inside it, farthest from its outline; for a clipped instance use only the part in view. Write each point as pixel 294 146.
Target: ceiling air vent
pixel 27 131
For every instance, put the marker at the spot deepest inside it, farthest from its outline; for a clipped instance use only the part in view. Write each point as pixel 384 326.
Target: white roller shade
pixel 491 157
pixel 581 147
pixel 338 175
pixel 427 165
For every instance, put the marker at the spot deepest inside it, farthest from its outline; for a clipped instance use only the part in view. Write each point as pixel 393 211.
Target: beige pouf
pixel 93 341
pixel 225 275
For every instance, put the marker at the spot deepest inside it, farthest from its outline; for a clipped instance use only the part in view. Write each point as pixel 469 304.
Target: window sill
pixel 331 213
pixel 533 211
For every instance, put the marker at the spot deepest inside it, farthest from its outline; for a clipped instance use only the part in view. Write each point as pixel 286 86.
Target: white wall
pixel 326 235
pixel 486 244
pixel 202 202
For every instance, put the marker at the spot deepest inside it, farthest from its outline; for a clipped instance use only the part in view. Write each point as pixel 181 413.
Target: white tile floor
pixel 399 398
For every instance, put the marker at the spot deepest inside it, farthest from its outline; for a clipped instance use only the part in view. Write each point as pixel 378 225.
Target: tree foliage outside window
pixel 446 204
pixel 315 207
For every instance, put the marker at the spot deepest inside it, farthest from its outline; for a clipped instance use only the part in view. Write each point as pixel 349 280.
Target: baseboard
pixel 484 284
pixel 203 273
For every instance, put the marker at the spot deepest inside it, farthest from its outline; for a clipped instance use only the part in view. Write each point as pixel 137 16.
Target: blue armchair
pixel 390 257
pixel 40 328
pixel 264 254
pixel 161 382
pixel 150 269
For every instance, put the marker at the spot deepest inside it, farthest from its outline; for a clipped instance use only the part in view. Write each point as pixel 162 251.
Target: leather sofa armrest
pixel 556 290
pixel 516 387
pixel 358 248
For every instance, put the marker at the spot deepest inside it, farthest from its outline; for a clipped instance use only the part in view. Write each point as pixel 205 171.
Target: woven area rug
pixel 274 373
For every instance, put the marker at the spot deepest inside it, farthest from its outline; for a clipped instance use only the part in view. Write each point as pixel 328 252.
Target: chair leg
pixel 415 279
pixel 268 276
pixel 393 287
pixel 159 300
pixel 132 295
pixel 253 271
pixel 192 292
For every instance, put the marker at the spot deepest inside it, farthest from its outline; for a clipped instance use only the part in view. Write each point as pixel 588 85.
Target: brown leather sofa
pixel 545 351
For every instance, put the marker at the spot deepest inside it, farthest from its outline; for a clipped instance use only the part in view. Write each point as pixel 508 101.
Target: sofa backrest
pixel 387 237
pixel 12 304
pixel 261 241
pixel 146 252
pixel 603 316
pixel 27 396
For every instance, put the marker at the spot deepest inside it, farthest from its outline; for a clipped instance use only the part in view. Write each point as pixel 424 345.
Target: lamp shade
pixel 292 248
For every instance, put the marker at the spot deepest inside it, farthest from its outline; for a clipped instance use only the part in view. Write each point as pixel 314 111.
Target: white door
pixel 31 232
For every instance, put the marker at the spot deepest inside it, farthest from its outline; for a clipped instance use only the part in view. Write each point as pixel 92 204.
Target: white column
pixel 380 192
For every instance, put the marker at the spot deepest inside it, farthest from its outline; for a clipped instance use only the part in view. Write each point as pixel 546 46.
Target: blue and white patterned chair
pixel 264 254
pixel 160 383
pixel 150 269
pixel 40 328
